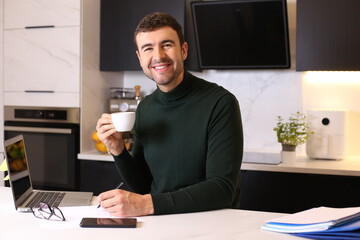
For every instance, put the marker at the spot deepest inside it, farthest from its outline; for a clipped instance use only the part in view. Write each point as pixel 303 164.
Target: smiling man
pixel 161 54
pixel 188 134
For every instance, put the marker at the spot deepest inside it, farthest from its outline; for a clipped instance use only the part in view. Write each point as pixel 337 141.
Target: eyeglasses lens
pixel 49 213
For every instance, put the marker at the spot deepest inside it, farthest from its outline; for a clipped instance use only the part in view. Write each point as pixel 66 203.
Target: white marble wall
pixel 262 94
pixel 265 94
pixel 331 90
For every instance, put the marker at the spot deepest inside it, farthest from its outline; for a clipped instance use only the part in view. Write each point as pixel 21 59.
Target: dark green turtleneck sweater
pixel 188 148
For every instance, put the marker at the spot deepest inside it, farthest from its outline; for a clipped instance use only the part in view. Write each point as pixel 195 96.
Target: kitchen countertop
pixel 95 155
pixel 303 164
pixel 258 162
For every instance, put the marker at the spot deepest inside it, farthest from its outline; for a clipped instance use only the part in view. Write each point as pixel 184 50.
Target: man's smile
pixel 161 67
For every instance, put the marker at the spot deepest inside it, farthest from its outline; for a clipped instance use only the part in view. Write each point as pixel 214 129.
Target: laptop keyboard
pixel 51 198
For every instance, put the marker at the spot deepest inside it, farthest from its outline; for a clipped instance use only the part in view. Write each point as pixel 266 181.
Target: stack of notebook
pixel 319 223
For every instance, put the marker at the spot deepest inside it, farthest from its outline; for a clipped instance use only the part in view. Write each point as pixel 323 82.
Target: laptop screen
pixel 19 176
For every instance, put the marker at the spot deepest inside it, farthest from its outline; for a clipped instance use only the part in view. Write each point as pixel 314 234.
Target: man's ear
pixel 184 50
pixel 138 55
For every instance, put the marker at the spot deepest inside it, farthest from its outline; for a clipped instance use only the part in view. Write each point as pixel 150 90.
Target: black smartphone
pixel 108 222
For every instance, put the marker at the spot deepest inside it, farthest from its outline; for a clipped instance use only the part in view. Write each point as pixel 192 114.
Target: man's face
pixel 162 57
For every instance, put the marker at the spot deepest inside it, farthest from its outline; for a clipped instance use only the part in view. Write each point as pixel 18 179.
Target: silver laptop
pixel 20 182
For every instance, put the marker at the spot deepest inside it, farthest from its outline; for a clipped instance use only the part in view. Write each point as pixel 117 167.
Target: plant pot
pixel 288 153
pixel 288 148
pixel 288 156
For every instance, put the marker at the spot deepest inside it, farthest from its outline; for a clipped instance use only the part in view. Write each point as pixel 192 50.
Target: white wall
pixel 262 94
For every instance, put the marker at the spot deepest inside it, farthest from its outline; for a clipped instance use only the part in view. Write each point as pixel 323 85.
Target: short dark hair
pixel 156 20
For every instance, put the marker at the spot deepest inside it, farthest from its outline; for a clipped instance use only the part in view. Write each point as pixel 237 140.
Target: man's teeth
pixel 161 67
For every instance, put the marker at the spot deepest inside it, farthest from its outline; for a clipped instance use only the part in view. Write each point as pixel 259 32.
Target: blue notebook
pixel 349 230
pixel 319 223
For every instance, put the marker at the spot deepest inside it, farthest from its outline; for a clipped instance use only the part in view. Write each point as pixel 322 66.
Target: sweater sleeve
pixel 224 156
pixel 134 170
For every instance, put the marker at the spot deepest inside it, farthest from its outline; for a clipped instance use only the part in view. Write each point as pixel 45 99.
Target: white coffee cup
pixel 123 121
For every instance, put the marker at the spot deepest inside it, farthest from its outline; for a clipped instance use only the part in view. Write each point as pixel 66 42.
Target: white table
pixel 220 225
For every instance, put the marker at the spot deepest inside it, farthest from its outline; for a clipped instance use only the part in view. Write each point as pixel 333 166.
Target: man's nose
pixel 159 54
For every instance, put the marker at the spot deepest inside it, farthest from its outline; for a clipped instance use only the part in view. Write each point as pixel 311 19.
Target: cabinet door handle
pixel 45 26
pixel 39 91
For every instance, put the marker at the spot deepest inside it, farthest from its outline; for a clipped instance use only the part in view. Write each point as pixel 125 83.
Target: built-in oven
pixel 52 143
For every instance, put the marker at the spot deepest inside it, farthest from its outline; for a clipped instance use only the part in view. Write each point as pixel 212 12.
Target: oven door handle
pixel 38 130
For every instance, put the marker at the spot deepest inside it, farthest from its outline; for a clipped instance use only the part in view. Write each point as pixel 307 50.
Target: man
pixel 188 135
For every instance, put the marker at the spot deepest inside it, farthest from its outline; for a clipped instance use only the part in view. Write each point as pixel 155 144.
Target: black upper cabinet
pixel 119 19
pixel 328 35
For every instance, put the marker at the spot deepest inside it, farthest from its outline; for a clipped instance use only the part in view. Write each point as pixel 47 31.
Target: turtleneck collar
pixel 179 92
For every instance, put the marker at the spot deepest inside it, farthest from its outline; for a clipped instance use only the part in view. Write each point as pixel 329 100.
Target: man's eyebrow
pixel 162 42
pixel 146 45
pixel 168 41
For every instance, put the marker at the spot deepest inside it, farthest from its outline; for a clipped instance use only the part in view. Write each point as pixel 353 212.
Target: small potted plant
pixel 293 132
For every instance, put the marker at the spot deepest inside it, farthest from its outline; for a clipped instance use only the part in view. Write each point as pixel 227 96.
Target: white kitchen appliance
pixel 336 134
pixel 124 99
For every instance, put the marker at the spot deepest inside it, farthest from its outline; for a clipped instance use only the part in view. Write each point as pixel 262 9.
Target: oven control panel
pixel 41 114
pixel 68 115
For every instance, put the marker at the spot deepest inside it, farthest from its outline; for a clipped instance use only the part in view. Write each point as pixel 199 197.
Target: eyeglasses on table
pixel 49 213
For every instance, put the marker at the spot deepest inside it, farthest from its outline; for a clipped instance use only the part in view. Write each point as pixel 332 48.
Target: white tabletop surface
pixel 220 225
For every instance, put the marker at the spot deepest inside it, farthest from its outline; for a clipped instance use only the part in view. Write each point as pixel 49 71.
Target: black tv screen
pixel 242 34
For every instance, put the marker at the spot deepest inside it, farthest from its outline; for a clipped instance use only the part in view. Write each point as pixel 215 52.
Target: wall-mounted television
pixel 241 34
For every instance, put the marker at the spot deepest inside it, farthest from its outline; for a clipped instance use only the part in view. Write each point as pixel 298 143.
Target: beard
pixel 166 77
